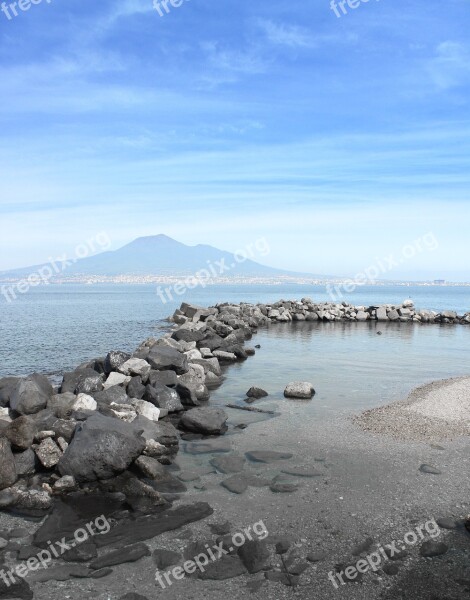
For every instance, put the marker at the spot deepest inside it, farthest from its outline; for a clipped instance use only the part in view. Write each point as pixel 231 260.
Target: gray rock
pixel 114 360
pixel 21 432
pixel 114 394
pixel 135 388
pixel 163 397
pixel 429 469
pixel 31 395
pixel 121 556
pixel 228 464
pixel 25 463
pixel 81 553
pixel 390 569
pixel 279 487
pixel 299 389
pixel 208 421
pixel 8 475
pixel 168 378
pixel 446 523
pixel 61 404
pixel 48 453
pixel 431 548
pixel 7 387
pixel 101 448
pixel 82 381
pixel 187 391
pixel 239 483
pixel 161 431
pixel 382 314
pixel 164 358
pixel 227 567
pixel 316 556
pixel 267 456
pixel 135 366
pixel 254 555
pixel 256 392
pixel 165 558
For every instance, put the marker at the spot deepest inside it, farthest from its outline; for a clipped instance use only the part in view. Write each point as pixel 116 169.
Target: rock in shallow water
pixel 209 421
pixel 267 456
pixel 299 389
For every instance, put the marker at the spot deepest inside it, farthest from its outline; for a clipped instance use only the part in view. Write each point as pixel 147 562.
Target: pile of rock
pixel 114 421
pixel 307 310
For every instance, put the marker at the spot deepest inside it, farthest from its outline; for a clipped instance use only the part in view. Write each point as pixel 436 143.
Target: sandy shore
pixel 436 411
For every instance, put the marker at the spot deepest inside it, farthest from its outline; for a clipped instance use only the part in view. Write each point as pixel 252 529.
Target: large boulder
pixel 7 387
pixel 101 448
pixel 114 394
pixel 163 397
pixel 82 381
pixel 25 463
pixel 8 474
pixel 163 358
pixel 31 395
pixel 208 421
pixel 135 366
pixel 114 360
pixel 299 389
pixel 188 335
pixel 162 432
pixel 20 432
pixel 169 378
pixel 135 388
pixel 61 404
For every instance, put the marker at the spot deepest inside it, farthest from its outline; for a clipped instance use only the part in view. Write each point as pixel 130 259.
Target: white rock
pixel 116 379
pixel 155 449
pixel 125 412
pixel 191 354
pixel 408 303
pixel 206 353
pixel 299 389
pixel 225 356
pixel 48 453
pixel 146 409
pixel 84 402
pixel 135 366
pixel 65 483
pixel 4 412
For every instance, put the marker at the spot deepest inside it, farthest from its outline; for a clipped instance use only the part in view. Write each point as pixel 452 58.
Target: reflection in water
pixel 351 367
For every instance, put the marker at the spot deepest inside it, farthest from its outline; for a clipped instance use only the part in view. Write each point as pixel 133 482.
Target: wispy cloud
pixel 287 35
pixel 450 66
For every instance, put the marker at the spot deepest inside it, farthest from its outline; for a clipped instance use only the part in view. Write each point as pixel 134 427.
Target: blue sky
pixel 339 140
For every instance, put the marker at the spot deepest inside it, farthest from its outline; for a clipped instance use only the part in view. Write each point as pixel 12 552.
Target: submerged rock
pixel 209 421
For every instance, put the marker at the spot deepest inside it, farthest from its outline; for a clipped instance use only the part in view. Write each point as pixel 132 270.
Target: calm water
pixel 351 367
pixel 54 328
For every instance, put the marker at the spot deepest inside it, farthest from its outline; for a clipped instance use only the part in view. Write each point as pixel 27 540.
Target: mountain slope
pixel 161 255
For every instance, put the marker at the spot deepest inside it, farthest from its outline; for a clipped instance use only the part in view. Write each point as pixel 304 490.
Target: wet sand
pixel 370 486
pixel 433 412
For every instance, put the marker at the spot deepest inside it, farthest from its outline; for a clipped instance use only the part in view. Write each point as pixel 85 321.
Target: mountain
pixel 161 255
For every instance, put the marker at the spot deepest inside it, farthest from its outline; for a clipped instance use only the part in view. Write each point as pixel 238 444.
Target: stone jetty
pixel 115 422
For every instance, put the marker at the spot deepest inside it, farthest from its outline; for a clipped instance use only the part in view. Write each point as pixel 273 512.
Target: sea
pixel 54 328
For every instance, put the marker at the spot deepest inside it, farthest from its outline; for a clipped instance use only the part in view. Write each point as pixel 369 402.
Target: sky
pixel 338 140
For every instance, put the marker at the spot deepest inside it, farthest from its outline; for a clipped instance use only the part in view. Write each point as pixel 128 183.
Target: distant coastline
pixel 234 280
